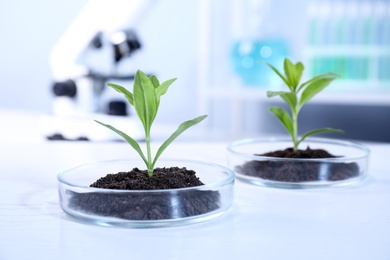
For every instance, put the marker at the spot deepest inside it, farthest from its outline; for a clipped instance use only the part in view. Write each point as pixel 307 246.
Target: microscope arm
pixel 97 16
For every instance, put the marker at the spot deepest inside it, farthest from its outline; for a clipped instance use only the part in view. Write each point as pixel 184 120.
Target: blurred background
pixel 56 56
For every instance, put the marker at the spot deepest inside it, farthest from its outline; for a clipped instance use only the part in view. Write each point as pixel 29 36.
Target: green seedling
pixel 298 95
pixel 146 100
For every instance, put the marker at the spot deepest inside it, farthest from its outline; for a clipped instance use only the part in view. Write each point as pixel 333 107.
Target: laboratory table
pixel 263 223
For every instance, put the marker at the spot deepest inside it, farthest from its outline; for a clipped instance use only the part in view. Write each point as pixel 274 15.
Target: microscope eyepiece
pixel 66 88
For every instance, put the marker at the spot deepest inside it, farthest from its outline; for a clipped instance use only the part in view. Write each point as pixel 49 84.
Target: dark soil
pixel 296 171
pixel 163 178
pixel 148 205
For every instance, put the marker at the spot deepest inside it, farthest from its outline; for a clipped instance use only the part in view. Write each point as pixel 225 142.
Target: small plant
pixel 298 95
pixel 146 100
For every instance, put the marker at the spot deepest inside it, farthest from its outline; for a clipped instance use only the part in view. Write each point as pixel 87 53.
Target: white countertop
pixel 263 223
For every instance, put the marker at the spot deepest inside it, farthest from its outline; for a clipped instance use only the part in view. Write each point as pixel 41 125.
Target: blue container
pixel 249 58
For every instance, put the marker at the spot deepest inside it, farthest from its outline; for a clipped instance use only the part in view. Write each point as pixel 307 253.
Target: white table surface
pixel 263 223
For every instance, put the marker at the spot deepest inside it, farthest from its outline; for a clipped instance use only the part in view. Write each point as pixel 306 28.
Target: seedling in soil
pixel 297 96
pixel 146 100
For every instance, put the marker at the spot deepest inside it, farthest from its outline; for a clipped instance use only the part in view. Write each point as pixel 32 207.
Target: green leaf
pixel 271 94
pixel 291 100
pixel 299 68
pixel 154 81
pixel 163 88
pixel 314 88
pixel 320 130
pixel 130 140
pixel 284 118
pixel 327 75
pixel 120 89
pixel 293 72
pixel 289 70
pixel 184 126
pixel 145 100
pixel 279 74
pixel 289 97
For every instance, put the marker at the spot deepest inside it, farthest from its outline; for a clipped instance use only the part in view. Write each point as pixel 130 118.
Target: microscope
pixel 87 56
